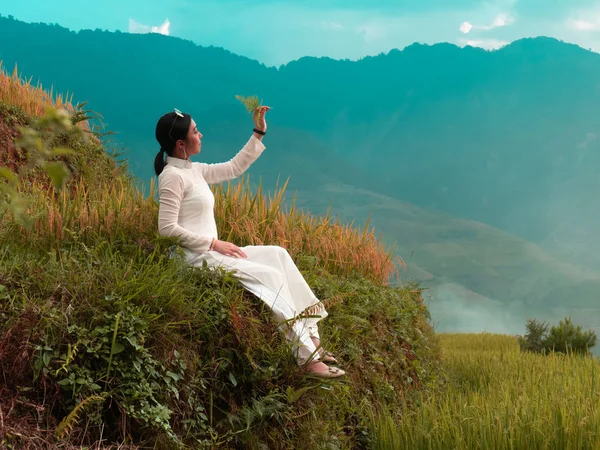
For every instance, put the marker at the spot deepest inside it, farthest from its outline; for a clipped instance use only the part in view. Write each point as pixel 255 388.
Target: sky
pixel 276 32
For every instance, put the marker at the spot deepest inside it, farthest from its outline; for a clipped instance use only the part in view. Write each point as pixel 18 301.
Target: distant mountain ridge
pixel 508 138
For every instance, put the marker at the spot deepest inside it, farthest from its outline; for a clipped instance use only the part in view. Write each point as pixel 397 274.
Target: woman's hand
pixel 229 249
pixel 259 118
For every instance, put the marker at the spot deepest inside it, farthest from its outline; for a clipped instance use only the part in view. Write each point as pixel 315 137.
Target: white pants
pixel 270 273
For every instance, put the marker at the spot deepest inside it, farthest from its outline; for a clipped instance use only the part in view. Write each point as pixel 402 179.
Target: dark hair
pixel 169 129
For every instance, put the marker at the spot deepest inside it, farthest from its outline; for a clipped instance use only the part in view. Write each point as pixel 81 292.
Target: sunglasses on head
pixel 177 114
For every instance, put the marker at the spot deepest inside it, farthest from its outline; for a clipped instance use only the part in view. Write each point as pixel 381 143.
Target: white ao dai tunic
pixel 186 210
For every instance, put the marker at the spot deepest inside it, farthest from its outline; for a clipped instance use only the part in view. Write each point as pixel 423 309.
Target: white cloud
pixel 585 25
pixel 465 27
pixel 584 19
pixel 332 26
pixel 370 32
pixel 488 44
pixel 501 20
pixel 136 27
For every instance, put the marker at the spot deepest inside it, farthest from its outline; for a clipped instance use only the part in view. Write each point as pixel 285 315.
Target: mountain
pixel 476 276
pixel 480 164
pixel 505 137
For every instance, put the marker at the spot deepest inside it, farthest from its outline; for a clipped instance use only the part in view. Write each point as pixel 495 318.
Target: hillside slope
pixel 108 340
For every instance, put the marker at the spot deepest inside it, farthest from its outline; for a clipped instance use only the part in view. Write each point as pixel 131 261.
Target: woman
pixel 186 210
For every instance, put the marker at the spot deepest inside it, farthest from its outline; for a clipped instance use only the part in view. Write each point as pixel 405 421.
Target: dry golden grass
pixel 258 218
pixel 116 210
pixel 120 210
pixel 33 100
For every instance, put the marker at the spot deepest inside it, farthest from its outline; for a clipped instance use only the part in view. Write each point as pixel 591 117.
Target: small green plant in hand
pixel 251 103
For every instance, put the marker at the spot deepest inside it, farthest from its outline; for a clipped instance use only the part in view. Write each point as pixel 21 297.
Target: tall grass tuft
pixel 113 211
pixel 33 100
pixel 256 217
pixel 121 210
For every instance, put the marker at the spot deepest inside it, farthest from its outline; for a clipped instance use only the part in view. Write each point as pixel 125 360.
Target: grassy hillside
pixel 108 338
pixel 497 397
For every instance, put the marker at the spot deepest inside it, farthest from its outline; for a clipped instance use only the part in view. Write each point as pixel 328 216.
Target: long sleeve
pixel 217 173
pixel 171 190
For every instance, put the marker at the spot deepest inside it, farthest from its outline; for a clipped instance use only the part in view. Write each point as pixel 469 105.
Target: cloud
pixel 488 44
pixel 591 23
pixel 583 25
pixel 332 26
pixel 590 137
pixel 465 27
pixel 501 20
pixel 136 27
pixel 551 10
pixel 370 32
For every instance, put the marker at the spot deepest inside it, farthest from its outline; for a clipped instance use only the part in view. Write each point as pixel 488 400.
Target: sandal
pixel 324 355
pixel 331 372
pixel 327 357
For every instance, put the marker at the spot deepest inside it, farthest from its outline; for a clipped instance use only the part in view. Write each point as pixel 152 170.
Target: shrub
pixel 563 338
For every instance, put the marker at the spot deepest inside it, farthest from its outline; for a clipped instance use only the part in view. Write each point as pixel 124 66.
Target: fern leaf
pixel 71 354
pixel 251 103
pixel 67 424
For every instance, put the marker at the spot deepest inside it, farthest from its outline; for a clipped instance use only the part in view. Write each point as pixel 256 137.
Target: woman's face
pixel 193 143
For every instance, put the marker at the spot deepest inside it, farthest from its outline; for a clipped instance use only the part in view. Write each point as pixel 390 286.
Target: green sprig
pixel 251 103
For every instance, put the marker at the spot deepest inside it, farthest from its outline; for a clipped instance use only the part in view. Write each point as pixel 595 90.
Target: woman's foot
pixel 317 368
pixel 325 356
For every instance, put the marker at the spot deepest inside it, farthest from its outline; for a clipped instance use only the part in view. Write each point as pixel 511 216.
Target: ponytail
pixel 169 129
pixel 159 162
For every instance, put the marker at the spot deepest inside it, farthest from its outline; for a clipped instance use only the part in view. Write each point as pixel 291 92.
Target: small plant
pixel 34 141
pixel 251 103
pixel 33 100
pixel 66 425
pixel 562 338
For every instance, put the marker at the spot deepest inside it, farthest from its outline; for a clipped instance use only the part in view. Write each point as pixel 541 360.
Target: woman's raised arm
pixel 219 172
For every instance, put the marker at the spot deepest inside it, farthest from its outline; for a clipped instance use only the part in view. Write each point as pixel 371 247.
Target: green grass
pixel 186 355
pixel 500 398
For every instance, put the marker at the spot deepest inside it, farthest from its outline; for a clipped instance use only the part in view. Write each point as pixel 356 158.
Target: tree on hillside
pixel 565 337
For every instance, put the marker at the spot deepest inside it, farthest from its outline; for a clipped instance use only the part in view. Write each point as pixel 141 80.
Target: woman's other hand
pixel 259 118
pixel 229 249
